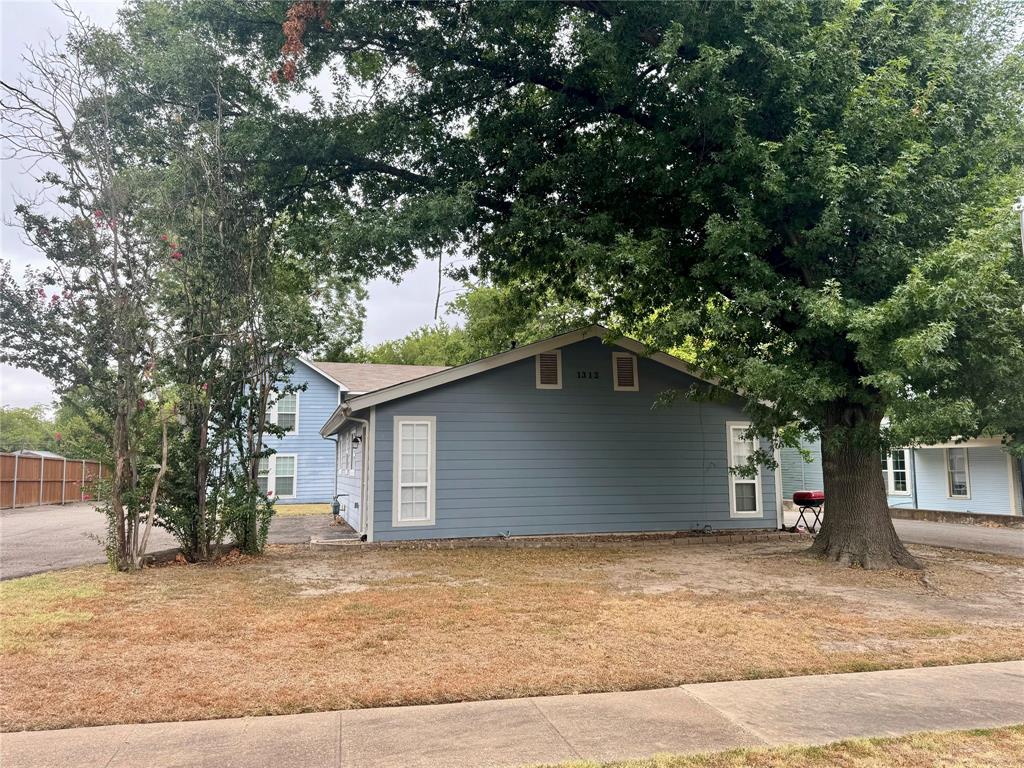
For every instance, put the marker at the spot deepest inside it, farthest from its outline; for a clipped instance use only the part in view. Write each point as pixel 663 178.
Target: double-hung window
pixel 285 412
pixel 744 492
pixel 958 473
pixel 276 476
pixel 414 470
pixel 896 470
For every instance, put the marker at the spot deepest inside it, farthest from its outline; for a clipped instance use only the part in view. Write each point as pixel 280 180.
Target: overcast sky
pixel 392 310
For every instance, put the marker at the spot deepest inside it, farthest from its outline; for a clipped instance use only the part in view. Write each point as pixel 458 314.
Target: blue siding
pixel 512 458
pixel 315 455
pixel 989 470
pixel 989 474
pixel 800 475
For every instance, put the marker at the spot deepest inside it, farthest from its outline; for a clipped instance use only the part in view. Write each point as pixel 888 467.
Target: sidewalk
pixel 602 726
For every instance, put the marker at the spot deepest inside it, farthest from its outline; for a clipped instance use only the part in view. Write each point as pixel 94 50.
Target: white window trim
pixel 348 465
pixel 616 356
pixel 733 479
pixel 272 475
pixel 890 472
pixel 967 473
pixel 352 451
pixel 396 472
pixel 558 364
pixel 273 414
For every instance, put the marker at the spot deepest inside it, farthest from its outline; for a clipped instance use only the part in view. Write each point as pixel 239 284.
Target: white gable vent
pixel 549 370
pixel 624 371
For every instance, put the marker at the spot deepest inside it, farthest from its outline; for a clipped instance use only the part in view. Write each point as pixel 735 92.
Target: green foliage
pixel 26 429
pixel 494 320
pixel 746 180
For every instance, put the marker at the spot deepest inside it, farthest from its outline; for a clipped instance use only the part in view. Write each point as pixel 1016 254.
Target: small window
pixel 624 370
pixel 958 473
pixel 744 492
pixel 899 472
pixel 549 370
pixel 895 470
pixel 263 475
pixel 414 471
pixel 285 412
pixel 276 476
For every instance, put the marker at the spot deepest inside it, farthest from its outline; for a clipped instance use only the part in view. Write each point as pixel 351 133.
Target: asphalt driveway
pixel 48 538
pixel 972 538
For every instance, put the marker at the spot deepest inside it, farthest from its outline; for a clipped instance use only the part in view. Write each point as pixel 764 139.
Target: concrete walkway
pixel 602 726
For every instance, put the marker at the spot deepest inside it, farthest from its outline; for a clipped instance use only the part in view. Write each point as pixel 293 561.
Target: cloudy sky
pixel 392 310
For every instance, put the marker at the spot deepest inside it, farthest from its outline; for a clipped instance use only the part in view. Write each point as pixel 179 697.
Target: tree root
pixel 872 558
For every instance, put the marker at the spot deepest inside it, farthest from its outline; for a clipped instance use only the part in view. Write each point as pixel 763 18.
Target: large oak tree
pixel 780 185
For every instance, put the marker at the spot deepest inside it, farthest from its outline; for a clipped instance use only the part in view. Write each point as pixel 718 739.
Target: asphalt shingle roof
pixel 368 377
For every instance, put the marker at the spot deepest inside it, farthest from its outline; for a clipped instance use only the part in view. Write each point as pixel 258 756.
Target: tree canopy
pixel 787 187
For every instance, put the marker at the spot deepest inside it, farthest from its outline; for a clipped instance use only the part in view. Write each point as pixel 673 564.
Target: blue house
pixel 563 436
pixel 970 476
pixel 305 468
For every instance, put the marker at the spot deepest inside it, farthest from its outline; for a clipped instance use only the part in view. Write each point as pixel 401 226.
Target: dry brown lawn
pixel 300 631
pixel 995 748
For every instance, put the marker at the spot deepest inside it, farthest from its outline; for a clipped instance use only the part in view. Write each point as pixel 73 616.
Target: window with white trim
pixel 414 470
pixel 624 372
pixel 549 370
pixel 958 473
pixel 285 412
pixel 276 475
pixel 744 492
pixel 896 470
pixel 348 453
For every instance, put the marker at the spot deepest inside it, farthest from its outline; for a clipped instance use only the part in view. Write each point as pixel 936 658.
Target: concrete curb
pixel 960 518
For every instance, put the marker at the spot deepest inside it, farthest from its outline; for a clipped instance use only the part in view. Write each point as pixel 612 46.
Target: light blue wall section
pixel 799 475
pixel 795 470
pixel 512 458
pixel 314 454
pixel 989 473
pixel 350 482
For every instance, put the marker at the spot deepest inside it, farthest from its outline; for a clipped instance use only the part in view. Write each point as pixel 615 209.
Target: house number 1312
pixel 586 374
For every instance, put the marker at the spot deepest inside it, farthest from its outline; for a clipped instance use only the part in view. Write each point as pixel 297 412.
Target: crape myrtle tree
pixel 86 319
pixel 774 185
pixel 234 298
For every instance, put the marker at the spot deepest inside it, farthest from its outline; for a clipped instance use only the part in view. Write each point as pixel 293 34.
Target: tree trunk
pixel 122 561
pixel 857 528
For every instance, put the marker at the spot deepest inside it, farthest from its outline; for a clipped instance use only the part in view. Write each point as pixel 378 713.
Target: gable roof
pixel 358 378
pixel 448 375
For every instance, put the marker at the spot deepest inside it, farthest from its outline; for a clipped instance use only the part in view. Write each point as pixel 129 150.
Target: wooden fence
pixel 28 481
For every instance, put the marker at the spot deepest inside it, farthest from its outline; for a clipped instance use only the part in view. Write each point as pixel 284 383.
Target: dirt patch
pixel 956 585
pixel 299 631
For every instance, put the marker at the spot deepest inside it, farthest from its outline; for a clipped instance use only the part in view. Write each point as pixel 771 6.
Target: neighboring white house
pixel 976 476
